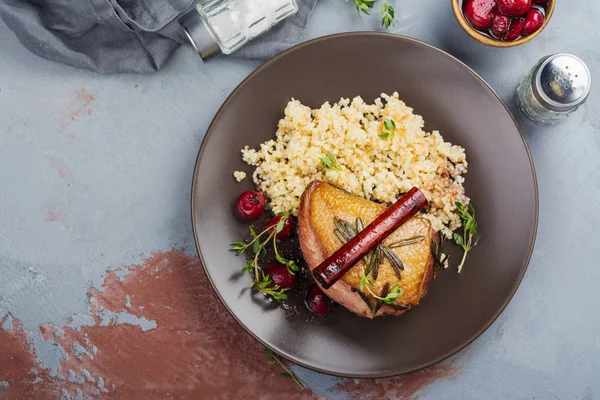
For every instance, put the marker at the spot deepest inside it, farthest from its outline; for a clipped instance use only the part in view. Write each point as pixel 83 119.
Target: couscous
pixel 377 151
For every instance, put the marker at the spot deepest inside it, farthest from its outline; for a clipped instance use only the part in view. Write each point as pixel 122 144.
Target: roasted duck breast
pixel 328 213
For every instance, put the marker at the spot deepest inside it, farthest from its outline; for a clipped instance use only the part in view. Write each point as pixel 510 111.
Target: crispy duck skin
pixel 321 202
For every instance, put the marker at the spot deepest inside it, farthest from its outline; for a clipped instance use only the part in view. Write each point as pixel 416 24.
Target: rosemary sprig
pixel 330 162
pixel 406 242
pixel 470 237
pixel 275 359
pixel 376 260
pixel 263 282
pixel 389 129
pixel 345 231
pixel 395 261
pixel 437 251
pixel 387 13
pixel 364 298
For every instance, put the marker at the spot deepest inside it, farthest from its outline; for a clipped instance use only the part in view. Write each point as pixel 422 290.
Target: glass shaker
pixel 215 26
pixel 554 88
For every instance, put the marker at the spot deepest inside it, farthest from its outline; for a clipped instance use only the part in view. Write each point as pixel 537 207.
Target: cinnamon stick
pixel 340 262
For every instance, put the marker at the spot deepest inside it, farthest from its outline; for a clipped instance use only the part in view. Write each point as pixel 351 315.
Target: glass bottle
pixel 226 25
pixel 554 88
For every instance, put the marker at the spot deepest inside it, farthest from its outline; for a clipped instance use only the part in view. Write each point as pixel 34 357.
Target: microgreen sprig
pixel 257 245
pixel 391 296
pixel 290 264
pixel 389 129
pixel 275 359
pixel 470 237
pixel 330 162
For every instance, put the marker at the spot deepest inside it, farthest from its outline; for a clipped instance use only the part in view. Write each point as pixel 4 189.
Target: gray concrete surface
pixel 95 173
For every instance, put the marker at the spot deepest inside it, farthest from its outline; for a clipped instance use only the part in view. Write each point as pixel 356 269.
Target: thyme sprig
pixel 365 7
pixel 387 13
pixel 257 246
pixel 470 237
pixel 275 359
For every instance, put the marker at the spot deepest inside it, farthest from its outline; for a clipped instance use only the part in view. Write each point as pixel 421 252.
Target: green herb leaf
pixel 363 6
pixel 256 247
pixel 290 264
pixel 330 162
pixel 280 224
pixel 389 129
pixel 393 295
pixel 249 266
pixel 238 247
pixel 406 242
pixel 387 13
pixel 458 239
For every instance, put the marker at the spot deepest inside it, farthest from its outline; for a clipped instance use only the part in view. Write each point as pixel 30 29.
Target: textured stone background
pixel 101 293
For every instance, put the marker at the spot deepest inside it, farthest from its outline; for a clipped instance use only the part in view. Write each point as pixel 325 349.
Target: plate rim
pixel 336 36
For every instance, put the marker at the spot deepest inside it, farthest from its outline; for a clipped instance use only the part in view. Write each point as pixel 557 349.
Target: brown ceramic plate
pixel 501 182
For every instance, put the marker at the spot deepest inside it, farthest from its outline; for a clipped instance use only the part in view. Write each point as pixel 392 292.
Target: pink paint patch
pixel 52 217
pixel 81 103
pixel 196 350
pixel 17 359
pixel 405 387
pixel 61 169
pixel 57 217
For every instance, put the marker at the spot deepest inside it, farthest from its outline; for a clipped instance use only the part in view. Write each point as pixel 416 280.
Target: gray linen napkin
pixel 110 36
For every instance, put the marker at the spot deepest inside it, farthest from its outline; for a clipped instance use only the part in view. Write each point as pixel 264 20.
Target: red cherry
pixel 514 30
pixel 317 301
pixel 281 275
pixel 479 12
pixel 514 8
pixel 500 24
pixel 539 2
pixel 250 204
pixel 286 232
pixel 533 21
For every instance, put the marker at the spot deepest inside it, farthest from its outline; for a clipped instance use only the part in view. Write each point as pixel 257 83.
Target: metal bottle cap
pixel 201 39
pixel 562 82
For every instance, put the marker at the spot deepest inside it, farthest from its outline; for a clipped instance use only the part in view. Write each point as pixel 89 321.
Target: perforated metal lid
pixel 200 38
pixel 562 82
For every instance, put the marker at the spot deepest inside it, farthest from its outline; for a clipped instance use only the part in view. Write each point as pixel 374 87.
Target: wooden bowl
pixel 480 37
